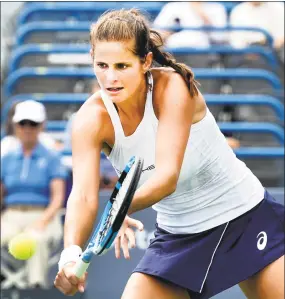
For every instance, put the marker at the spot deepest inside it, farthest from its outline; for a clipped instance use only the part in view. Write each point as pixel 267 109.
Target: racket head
pixel 116 208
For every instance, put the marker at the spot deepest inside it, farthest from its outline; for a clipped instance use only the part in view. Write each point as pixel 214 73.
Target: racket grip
pixel 80 268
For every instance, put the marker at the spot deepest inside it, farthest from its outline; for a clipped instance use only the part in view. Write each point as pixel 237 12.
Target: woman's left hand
pixel 125 236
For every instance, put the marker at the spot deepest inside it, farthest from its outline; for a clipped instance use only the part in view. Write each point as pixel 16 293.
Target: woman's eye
pixel 102 65
pixel 121 66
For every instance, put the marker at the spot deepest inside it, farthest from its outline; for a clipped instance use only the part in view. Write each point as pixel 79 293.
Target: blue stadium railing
pixel 80 11
pixel 211 99
pixel 47 49
pixel 30 28
pixel 41 11
pixel 88 73
pixel 244 127
pixel 243 152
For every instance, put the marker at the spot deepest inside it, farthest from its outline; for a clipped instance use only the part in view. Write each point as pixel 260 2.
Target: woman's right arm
pixel 82 205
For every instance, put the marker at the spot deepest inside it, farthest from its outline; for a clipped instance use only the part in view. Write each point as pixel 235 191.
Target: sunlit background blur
pixel 236 50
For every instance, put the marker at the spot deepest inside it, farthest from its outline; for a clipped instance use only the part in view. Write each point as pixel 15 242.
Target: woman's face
pixel 120 73
pixel 28 131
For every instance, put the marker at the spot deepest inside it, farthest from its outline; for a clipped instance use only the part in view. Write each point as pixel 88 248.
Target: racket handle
pixel 80 268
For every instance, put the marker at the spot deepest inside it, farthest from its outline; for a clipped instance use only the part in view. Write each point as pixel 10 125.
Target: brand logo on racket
pixel 262 241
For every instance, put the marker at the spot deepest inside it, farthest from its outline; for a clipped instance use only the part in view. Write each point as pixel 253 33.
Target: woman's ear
pixel 148 61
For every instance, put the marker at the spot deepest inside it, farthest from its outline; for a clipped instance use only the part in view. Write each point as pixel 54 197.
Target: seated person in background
pixel 265 15
pixel 108 176
pixel 11 142
pixel 192 14
pixel 32 190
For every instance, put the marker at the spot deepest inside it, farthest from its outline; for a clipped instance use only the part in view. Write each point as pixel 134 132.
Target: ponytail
pixel 166 59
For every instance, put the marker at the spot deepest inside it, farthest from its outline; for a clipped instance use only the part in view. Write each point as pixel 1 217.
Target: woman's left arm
pixel 175 114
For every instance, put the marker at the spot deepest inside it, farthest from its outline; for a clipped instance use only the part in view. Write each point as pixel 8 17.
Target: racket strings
pixel 122 192
pixel 116 204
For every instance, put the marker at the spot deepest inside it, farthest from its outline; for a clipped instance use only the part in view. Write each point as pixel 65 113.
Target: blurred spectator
pixel 233 142
pixel 108 177
pixel 192 14
pixel 32 190
pixel 11 142
pixel 265 15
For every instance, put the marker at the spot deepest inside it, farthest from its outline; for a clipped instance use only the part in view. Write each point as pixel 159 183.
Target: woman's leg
pixel 142 286
pixel 266 284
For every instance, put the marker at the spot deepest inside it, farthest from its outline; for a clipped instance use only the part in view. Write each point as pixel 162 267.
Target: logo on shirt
pixel 42 162
pixel 262 241
pixel 150 167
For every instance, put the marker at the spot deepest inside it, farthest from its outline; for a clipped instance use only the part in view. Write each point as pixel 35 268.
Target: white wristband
pixel 69 254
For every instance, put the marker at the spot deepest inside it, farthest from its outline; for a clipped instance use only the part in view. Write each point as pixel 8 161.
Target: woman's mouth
pixel 114 90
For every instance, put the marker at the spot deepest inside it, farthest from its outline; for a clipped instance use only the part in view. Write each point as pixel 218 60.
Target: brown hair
pixel 127 24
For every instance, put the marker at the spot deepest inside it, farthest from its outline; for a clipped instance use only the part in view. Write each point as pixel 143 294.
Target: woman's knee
pixel 143 286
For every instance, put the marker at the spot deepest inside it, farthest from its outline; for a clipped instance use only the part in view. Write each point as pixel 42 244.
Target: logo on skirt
pixel 262 241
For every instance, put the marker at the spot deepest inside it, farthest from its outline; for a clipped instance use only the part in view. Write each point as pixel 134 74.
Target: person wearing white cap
pixel 27 111
pixel 32 189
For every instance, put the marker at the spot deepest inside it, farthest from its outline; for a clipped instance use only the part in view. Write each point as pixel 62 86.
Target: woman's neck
pixel 136 103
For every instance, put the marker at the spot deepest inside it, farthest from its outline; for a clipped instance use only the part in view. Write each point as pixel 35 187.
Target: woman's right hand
pixel 66 282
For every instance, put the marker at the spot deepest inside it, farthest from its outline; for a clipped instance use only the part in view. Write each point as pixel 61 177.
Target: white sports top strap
pixel 149 111
pixel 119 133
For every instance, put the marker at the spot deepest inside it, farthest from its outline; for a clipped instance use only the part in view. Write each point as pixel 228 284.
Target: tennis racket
pixel 113 216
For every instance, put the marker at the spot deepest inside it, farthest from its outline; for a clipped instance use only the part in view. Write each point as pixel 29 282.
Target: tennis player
pixel 216 224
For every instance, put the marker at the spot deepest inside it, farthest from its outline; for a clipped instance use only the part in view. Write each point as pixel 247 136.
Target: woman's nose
pixel 112 75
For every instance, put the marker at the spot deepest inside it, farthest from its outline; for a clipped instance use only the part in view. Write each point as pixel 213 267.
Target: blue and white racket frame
pixel 107 230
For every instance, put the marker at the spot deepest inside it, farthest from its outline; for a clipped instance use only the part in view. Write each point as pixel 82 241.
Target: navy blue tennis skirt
pixel 210 262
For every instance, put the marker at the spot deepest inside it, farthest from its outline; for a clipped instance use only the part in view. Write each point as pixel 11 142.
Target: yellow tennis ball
pixel 22 247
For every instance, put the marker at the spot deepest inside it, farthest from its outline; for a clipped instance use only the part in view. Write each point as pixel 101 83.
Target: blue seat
pixel 54 100
pixel 57 32
pixel 34 55
pixel 80 11
pixel 62 80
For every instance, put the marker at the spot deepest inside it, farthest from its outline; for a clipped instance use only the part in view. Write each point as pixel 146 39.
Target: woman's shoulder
pixel 165 76
pixel 92 117
pixel 170 86
pixel 160 73
pixel 167 80
pixel 92 111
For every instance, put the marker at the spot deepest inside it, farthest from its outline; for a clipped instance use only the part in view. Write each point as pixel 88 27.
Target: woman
pixel 32 189
pixel 216 225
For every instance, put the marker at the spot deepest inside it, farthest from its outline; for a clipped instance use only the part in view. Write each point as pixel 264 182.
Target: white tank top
pixel 214 186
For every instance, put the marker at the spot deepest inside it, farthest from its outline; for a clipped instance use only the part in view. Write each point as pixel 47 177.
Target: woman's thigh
pixel 142 286
pixel 266 284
